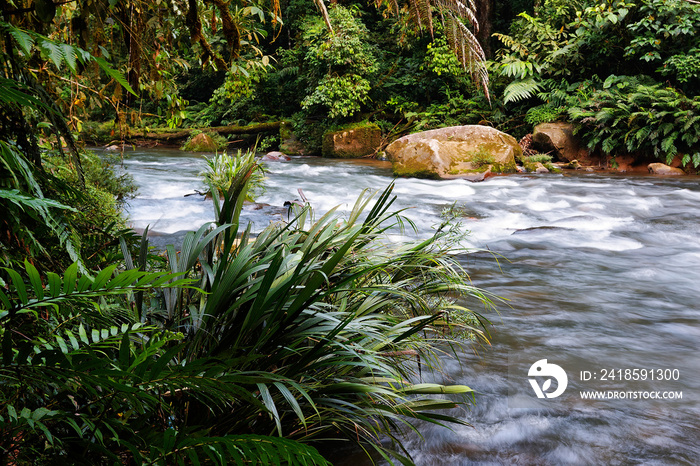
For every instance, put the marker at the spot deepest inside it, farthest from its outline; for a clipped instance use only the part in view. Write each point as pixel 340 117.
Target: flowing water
pixel 601 272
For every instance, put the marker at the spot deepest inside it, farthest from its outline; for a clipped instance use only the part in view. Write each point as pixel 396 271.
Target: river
pixel 601 274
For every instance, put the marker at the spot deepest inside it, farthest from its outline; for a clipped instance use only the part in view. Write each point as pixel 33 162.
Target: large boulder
pixel 663 169
pixel 559 139
pixel 454 152
pixel 353 141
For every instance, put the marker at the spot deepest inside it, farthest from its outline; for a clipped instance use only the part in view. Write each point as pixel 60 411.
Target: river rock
pixel 663 169
pixel 202 142
pixel 275 156
pixel 118 147
pixel 558 138
pixel 539 168
pixel 454 152
pixel 354 141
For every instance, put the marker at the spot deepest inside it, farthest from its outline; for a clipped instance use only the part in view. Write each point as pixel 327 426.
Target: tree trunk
pixel 166 136
pixel 484 15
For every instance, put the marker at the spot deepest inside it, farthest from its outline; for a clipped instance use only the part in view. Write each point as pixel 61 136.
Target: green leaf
pixel 53 51
pixel 18 285
pixel 432 388
pixel 11 412
pixel 24 40
pixel 116 75
pixel 83 334
pixel 71 55
pixel 34 280
pixel 61 344
pixel 73 341
pixel 103 277
pixel 125 349
pixel 69 278
pixel 55 285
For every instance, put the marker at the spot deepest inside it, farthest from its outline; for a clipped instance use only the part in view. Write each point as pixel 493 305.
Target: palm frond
pixel 458 19
pixel 183 448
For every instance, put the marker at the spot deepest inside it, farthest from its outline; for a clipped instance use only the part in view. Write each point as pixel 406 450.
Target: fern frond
pixel 21 298
pixel 460 10
pixel 464 44
pixel 468 50
pixel 520 90
pixel 668 145
pixel 288 71
pixel 690 122
pixel 511 43
pixel 517 69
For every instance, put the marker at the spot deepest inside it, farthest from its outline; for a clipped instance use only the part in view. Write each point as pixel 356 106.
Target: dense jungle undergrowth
pixel 227 349
pixel 624 73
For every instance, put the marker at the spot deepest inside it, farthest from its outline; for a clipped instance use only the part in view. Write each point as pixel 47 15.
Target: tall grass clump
pixel 246 350
pixel 222 169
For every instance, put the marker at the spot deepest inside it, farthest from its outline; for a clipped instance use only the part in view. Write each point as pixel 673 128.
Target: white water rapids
pixel 601 272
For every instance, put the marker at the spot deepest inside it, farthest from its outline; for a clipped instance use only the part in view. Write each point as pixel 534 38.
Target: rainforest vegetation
pixel 235 348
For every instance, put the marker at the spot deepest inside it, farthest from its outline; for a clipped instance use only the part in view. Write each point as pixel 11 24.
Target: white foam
pixel 501 181
pixel 545 206
pixel 688 194
pixel 453 189
pixel 594 223
pixel 170 217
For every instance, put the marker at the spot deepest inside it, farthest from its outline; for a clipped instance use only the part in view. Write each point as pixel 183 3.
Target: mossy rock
pixel 289 144
pixel 453 152
pixel 352 141
pixel 202 142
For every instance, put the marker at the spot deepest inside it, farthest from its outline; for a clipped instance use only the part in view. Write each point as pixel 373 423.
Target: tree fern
pixel 458 20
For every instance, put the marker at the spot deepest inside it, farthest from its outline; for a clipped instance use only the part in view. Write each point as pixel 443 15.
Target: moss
pixel 286 130
pixel 466 171
pixel 327 144
pixel 553 169
pixel 407 172
pixel 482 157
pixel 509 167
pixel 482 160
pixel 205 142
pixel 530 166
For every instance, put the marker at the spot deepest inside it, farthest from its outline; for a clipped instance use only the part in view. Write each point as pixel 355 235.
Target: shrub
pixel 340 64
pixel 544 114
pixel 222 169
pixel 636 115
pixel 537 158
pixel 308 331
